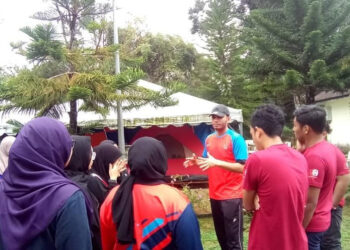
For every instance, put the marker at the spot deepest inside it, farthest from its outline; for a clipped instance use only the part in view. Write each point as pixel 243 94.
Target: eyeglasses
pixel 73 143
pixel 93 156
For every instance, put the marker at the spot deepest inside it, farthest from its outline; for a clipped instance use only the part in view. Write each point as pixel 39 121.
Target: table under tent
pixel 182 128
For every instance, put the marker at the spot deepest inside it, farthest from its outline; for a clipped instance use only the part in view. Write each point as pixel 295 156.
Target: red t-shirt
pixel 342 169
pixel 325 162
pixel 279 177
pixel 229 147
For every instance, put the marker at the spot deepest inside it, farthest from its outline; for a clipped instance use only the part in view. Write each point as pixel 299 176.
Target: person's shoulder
pixel 172 192
pixel 212 135
pixel 234 135
pixel 321 150
pixel 76 198
pixel 77 195
pixel 254 158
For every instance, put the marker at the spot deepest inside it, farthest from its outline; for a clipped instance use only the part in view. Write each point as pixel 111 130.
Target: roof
pixel 189 109
pixel 329 95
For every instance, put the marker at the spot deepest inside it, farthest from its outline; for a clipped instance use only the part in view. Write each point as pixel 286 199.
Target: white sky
pixel 163 16
pixel 160 16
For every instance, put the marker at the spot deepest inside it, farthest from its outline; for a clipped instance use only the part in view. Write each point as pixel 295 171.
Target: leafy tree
pixel 261 4
pixel 221 74
pixel 304 45
pixel 70 71
pixel 72 15
pixel 163 58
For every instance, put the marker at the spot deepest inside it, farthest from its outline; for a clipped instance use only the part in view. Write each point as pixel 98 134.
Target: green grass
pixel 345 228
pixel 209 239
pixel 201 204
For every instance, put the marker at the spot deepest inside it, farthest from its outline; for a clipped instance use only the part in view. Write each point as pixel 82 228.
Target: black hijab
pixel 79 163
pixel 105 154
pixel 78 171
pixel 147 159
pixel 109 142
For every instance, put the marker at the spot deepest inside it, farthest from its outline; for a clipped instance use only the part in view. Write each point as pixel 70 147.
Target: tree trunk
pixel 310 95
pixel 73 117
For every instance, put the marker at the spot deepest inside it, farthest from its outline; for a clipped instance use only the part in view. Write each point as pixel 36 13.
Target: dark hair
pixel 235 126
pixel 313 116
pixel 269 118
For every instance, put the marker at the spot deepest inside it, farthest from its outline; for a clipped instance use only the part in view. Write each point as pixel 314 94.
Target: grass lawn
pixel 209 239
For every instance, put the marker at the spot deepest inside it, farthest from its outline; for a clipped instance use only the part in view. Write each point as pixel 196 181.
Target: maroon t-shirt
pixel 325 164
pixel 279 176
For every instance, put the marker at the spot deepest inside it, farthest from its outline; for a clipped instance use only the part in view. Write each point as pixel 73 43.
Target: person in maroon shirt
pixel 276 175
pixel 327 179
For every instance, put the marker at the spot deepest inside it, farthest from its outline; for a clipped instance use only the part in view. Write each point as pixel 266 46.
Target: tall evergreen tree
pixel 303 45
pixel 45 88
pixel 72 15
pixel 217 24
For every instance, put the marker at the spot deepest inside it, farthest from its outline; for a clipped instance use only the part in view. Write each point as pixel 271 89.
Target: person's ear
pixel 259 132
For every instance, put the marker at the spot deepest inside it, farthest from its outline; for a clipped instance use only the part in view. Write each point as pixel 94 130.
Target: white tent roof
pixel 189 109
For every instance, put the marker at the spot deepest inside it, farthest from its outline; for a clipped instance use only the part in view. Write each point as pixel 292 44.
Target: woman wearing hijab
pixel 109 142
pixel 124 173
pixel 5 146
pixel 145 213
pixel 104 171
pixel 40 208
pixel 78 171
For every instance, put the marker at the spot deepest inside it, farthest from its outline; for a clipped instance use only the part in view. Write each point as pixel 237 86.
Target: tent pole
pixel 121 139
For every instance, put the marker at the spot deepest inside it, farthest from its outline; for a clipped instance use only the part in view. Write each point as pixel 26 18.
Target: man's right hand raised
pixel 191 161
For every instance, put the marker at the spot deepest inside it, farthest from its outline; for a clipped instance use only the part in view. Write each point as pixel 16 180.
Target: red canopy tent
pixel 179 141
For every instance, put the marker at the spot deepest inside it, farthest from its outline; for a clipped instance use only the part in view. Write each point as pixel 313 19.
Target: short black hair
pixel 269 118
pixel 313 116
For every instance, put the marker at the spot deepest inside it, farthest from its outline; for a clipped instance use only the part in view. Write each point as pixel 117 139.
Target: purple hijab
pixel 34 187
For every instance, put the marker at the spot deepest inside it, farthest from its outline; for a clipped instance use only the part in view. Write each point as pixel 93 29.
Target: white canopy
pixel 189 109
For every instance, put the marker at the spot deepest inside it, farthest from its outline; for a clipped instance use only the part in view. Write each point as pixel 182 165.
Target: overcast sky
pixel 163 16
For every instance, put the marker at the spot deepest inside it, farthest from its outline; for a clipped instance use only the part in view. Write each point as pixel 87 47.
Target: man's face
pixel 298 131
pixel 219 123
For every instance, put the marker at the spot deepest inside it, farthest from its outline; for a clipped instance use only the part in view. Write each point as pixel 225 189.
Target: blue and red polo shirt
pixel 229 147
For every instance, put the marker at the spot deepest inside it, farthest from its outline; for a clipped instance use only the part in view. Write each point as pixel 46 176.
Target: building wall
pixel 338 111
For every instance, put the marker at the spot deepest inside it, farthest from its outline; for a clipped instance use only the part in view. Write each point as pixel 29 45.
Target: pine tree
pixel 305 45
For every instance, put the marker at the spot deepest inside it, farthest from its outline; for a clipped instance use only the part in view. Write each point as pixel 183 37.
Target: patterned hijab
pixel 147 159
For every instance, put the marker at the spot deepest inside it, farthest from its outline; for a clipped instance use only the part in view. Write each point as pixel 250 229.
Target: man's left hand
pixel 206 163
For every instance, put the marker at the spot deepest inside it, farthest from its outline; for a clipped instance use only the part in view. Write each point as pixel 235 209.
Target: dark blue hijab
pixel 34 187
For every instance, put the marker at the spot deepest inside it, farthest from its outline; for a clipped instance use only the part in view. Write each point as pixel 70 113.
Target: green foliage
pixel 66 73
pixel 304 43
pixel 43 46
pixel 221 76
pixel 16 125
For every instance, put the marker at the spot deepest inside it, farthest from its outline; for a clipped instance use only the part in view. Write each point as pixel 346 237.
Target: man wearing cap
pixel 225 153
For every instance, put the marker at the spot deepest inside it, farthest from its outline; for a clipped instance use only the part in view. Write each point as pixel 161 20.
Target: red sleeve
pixel 108 230
pixel 251 173
pixel 342 167
pixel 316 170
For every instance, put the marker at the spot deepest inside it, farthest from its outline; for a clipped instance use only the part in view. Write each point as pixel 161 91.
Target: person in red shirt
pixel 276 176
pixel 327 179
pixel 144 212
pixel 224 156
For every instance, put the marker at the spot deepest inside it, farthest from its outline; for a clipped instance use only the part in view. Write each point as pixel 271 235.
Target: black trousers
pixel 332 238
pixel 228 222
